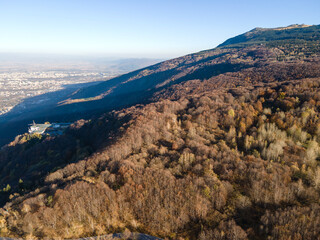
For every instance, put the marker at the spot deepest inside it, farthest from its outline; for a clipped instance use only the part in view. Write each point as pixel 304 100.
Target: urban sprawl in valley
pixel 18 85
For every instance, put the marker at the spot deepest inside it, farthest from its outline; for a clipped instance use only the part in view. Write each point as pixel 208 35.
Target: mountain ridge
pixel 261 35
pixel 139 86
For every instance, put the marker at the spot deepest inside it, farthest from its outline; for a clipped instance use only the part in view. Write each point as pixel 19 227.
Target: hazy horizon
pixel 47 62
pixel 139 29
pixel 7 56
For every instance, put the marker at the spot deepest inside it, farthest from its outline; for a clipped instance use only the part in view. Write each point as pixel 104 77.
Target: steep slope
pixel 140 86
pixel 228 149
pixel 201 65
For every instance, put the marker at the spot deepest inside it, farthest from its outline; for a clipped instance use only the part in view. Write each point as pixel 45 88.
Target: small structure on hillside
pixel 38 128
pixel 48 128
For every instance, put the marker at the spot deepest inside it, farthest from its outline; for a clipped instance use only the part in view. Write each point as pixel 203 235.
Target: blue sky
pixel 139 28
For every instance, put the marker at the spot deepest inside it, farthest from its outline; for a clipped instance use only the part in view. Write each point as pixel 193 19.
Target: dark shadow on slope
pixel 207 72
pixel 96 90
pixel 204 60
pixel 16 121
pixel 146 82
pixel 141 83
pixel 69 113
pixel 37 102
pixel 35 156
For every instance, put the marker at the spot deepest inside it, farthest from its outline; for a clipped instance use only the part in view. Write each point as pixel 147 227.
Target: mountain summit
pixel 301 33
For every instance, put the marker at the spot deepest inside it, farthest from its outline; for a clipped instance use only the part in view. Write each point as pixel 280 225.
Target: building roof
pixel 38 128
pixel 49 128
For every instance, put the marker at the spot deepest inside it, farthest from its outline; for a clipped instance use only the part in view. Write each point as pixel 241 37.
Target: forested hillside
pixel 228 150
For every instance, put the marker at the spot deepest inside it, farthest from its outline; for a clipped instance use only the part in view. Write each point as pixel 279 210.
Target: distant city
pixel 16 86
pixel 26 76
